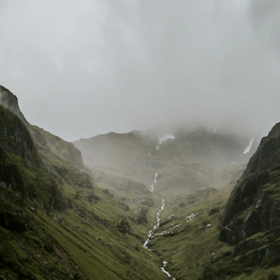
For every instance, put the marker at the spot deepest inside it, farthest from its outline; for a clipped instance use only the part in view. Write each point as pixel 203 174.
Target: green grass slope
pixel 55 223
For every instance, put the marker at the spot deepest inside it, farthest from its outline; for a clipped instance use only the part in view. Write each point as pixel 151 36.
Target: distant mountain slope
pixel 192 159
pixel 124 155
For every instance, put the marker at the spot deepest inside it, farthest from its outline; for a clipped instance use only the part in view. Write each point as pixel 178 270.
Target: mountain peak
pixel 10 101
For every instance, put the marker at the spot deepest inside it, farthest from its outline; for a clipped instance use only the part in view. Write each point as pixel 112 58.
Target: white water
pixel 166 272
pixel 157 224
pixel 153 185
pixel 155 179
pixel 247 150
pixel 190 217
pixel 145 245
pixel 164 138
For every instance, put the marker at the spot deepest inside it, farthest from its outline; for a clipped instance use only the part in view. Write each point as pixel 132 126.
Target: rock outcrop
pixel 15 137
pixel 254 205
pixel 251 219
pixel 10 101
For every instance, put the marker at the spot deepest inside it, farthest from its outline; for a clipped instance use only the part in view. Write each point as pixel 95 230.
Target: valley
pixel 157 204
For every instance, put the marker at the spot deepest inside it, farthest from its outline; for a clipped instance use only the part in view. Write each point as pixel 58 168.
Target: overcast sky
pixel 81 68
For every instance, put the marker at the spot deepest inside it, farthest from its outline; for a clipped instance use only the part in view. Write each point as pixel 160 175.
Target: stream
pixel 153 185
pixel 145 245
pixel 157 224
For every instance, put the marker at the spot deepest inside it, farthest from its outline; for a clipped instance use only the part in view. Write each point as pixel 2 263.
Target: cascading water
pixel 145 245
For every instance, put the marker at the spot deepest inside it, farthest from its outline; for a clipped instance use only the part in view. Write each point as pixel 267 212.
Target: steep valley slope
pixel 84 210
pixel 206 231
pixel 55 223
pixel 194 171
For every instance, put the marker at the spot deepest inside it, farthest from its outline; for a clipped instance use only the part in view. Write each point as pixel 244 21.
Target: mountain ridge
pixel 55 223
pixel 60 219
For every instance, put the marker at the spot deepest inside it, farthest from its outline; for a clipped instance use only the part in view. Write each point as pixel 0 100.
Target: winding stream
pixel 153 185
pixel 157 224
pixel 145 245
pixel 166 272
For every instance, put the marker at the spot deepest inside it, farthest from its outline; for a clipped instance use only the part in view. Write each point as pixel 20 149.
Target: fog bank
pixel 89 67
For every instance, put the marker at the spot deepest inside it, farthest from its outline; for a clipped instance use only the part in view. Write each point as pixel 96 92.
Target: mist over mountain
pixel 170 177
pixel 139 205
pixel 87 68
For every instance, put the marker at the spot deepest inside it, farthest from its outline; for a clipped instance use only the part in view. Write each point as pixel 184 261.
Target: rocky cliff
pixel 254 205
pixel 10 101
pixel 44 141
pixel 251 220
pixel 15 137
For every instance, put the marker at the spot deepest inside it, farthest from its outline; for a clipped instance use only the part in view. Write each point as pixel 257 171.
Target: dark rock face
pixel 268 153
pixel 254 205
pixel 44 141
pixel 251 221
pixel 14 137
pixel 10 175
pixel 21 168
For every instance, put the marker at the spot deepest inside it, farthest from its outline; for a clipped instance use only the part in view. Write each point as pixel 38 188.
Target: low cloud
pixel 81 69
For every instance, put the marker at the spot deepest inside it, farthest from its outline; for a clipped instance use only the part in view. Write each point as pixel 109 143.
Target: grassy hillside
pixel 60 219
pixel 55 223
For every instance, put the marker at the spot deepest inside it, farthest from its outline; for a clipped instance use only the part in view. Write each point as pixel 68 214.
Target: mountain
pixel 205 232
pixel 193 170
pixel 55 223
pixel 9 100
pixel 250 223
pixel 209 233
pixel 185 160
pixel 155 204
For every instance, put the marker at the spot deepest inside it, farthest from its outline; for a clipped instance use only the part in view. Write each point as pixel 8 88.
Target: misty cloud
pixel 89 67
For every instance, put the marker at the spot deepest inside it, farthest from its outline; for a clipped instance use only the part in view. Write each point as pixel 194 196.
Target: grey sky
pixel 81 68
